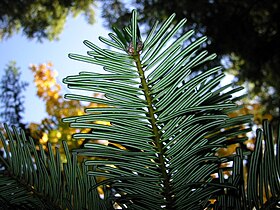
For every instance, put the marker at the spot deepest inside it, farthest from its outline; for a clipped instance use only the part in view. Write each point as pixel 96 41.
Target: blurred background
pixel 36 37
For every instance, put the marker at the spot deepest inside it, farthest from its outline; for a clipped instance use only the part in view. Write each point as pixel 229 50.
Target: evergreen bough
pixel 164 129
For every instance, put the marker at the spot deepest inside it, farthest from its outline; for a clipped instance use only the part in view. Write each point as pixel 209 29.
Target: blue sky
pixel 26 52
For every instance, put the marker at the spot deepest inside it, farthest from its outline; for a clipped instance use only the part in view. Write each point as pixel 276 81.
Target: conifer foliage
pixel 157 146
pixel 169 123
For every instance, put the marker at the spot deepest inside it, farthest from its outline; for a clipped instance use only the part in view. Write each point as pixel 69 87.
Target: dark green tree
pixel 244 32
pixel 40 19
pixel 12 98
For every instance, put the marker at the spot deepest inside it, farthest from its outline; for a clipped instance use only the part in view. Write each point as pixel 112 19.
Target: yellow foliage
pixel 44 139
pixel 49 90
pixel 51 129
pixel 255 109
pixel 102 123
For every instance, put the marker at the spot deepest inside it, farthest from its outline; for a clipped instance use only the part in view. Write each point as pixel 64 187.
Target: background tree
pixel 12 98
pixel 244 33
pixel 40 19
